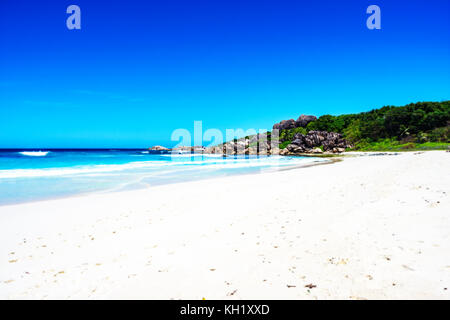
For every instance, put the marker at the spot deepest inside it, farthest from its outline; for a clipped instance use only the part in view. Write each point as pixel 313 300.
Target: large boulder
pixel 303 120
pixel 330 141
pixel 284 152
pixel 275 151
pixel 295 148
pixel 338 150
pixel 214 150
pixel 285 124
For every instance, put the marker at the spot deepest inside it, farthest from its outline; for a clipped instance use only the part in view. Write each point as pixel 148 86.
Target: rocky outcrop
pixel 181 149
pixel 315 141
pixel 158 148
pixel 256 144
pixel 188 149
pixel 285 124
pixel 302 121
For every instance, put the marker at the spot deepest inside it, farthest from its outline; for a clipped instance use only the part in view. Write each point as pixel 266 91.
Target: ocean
pixel 32 175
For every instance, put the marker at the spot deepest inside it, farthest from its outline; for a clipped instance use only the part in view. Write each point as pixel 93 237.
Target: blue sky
pixel 137 70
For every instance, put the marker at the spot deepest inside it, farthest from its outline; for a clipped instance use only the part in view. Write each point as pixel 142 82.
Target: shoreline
pixel 124 188
pixel 364 228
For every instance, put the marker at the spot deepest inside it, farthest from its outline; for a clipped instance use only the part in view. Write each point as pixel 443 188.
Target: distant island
pixel 416 126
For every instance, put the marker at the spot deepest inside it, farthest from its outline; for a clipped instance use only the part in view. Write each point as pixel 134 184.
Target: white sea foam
pixel 54 172
pixel 188 155
pixel 34 153
pixel 218 163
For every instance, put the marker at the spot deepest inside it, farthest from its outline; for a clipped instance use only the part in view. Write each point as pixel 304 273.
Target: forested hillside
pixel 422 125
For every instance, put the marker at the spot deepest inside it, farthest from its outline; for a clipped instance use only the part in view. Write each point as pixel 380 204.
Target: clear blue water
pixel 46 174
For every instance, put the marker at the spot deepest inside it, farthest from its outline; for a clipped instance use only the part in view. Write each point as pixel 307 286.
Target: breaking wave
pixel 155 165
pixel 34 153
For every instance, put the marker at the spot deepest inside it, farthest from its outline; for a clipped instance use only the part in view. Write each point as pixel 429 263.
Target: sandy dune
pixel 369 227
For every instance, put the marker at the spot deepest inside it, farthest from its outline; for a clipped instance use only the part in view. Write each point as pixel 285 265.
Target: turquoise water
pixel 47 174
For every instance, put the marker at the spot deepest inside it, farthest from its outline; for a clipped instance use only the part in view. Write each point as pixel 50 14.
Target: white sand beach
pixel 368 227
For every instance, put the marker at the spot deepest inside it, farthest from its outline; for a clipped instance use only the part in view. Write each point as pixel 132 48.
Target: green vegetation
pixel 284 144
pixel 416 126
pixel 288 135
pixel 393 145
